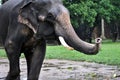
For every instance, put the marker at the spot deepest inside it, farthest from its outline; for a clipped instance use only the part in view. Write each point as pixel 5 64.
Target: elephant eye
pixel 50 17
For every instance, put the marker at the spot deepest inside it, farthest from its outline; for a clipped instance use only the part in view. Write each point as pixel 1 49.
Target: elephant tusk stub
pixel 62 41
pixel 41 18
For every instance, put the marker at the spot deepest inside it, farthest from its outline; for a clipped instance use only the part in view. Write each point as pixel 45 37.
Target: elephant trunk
pixel 70 36
pixel 74 41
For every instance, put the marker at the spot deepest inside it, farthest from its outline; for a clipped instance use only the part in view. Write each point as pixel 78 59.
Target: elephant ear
pixel 27 15
pixel 26 3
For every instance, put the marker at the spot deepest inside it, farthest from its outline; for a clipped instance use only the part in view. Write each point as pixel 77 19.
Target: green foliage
pixel 104 8
pixel 82 12
pixel 115 13
pixel 85 11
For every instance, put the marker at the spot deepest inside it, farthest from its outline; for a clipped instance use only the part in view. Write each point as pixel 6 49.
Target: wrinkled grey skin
pixel 25 26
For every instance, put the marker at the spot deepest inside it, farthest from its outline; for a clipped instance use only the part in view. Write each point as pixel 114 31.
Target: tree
pixel 81 11
pixel 115 13
pixel 86 11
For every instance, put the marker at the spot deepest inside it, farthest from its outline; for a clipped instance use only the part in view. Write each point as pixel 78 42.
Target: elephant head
pixel 50 17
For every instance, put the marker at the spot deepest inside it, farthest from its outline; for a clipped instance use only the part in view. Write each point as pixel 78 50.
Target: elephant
pixel 25 25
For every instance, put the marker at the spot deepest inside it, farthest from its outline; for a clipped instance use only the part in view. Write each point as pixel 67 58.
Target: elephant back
pixel 5 11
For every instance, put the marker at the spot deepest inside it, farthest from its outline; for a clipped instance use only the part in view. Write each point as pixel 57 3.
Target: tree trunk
pixel 102 29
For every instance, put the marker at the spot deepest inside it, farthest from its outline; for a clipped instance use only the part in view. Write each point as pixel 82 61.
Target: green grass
pixel 109 54
pixel 2 53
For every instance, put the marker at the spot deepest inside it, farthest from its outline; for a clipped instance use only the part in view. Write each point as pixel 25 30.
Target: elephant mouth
pixel 62 41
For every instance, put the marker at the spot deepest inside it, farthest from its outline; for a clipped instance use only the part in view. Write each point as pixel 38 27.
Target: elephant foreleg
pixel 13 53
pixel 28 55
pixel 37 60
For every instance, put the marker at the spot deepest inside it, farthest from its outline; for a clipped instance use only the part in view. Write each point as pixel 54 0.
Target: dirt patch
pixel 67 70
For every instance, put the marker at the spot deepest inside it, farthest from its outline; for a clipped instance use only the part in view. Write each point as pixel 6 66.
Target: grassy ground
pixel 109 54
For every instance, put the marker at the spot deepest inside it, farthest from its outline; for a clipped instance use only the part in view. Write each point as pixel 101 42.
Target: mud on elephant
pixel 26 24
